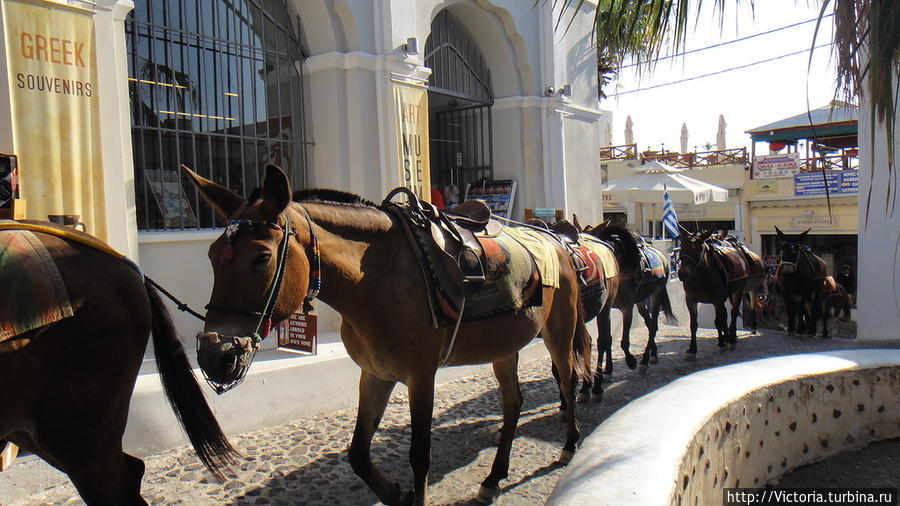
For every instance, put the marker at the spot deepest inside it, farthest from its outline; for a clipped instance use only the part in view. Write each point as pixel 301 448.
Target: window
pixel 214 85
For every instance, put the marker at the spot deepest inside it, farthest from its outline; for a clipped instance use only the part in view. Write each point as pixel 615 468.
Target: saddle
pixel 452 258
pixel 736 260
pixel 653 264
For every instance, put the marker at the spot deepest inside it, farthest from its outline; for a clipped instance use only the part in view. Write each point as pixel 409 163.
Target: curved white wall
pixel 735 426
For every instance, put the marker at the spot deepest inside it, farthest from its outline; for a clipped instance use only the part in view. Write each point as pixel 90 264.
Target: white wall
pixel 878 278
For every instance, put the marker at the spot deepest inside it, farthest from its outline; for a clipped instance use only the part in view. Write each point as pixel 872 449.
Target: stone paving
pixel 305 462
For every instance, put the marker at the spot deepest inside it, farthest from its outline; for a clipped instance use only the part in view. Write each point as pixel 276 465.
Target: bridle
pixel 250 345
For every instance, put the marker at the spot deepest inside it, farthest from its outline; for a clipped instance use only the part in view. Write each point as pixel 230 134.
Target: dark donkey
pixel 713 272
pixel 637 286
pixel 369 273
pixel 801 277
pixel 67 385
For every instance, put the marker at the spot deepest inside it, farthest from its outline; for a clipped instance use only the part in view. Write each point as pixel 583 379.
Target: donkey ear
pixel 801 236
pixel 575 222
pixel 780 233
pixel 224 201
pixel 276 192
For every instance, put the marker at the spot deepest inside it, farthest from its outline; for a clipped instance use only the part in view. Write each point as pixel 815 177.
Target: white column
pixel 115 125
pixel 6 136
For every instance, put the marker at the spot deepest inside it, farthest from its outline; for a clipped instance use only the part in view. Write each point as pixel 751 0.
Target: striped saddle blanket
pixel 33 293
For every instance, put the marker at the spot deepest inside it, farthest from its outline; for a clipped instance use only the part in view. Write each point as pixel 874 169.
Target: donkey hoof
pixel 643 368
pixel 566 456
pixel 654 360
pixel 631 362
pixel 486 495
pixel 691 356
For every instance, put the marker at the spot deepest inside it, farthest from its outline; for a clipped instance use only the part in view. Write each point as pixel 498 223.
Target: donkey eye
pixel 262 259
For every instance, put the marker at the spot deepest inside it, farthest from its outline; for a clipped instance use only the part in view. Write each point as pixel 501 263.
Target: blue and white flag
pixel 670 219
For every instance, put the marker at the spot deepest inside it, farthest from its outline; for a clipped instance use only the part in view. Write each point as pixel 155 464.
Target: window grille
pixel 216 86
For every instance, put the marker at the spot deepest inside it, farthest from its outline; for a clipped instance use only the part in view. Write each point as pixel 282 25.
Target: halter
pixel 264 324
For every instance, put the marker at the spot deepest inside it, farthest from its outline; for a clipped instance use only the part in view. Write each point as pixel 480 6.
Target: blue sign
pixel 837 181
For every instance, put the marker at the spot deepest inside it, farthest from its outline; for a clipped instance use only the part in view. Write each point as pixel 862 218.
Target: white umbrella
pixel 684 138
pixel 629 133
pixel 720 134
pixel 650 180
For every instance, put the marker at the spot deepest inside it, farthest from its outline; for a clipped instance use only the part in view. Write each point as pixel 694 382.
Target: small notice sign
pixel 297 334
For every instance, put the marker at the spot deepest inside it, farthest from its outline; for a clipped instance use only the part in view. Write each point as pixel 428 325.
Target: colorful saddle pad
pixel 599 258
pixel 542 247
pixel 653 265
pixel 33 293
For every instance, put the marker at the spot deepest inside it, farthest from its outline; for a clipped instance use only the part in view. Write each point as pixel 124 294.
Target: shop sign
pixel 412 139
pixel 690 212
pixel 51 60
pixel 814 221
pixel 766 187
pixel 775 166
pixel 837 181
pixel 298 334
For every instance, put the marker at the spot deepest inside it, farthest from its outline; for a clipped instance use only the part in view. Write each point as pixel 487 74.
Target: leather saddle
pixel 451 255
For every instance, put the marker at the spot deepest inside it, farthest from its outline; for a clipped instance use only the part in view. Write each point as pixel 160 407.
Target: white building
pixel 225 87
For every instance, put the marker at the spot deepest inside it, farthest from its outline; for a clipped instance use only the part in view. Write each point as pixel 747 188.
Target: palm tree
pixel 866 36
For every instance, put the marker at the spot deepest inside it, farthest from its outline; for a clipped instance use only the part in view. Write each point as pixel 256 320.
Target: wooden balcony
pixel 844 161
pixel 623 152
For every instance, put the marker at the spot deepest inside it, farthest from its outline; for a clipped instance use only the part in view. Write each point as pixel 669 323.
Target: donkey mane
pixel 626 241
pixel 329 196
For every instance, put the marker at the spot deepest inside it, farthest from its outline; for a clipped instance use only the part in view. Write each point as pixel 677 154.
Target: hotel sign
pixel 775 166
pixel 51 59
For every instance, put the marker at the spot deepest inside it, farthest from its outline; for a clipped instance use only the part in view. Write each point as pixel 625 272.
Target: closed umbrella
pixel 684 138
pixel 720 134
pixel 629 133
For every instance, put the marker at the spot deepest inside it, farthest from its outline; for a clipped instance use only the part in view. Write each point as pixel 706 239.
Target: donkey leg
pixel 506 371
pixel 790 307
pixel 421 406
pixel 585 388
pixel 692 311
pixel 604 325
pixel 732 326
pixel 627 317
pixel 722 324
pixel 373 398
pixel 651 324
pixel 604 343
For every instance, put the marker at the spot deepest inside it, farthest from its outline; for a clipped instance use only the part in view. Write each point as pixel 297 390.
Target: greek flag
pixel 670 219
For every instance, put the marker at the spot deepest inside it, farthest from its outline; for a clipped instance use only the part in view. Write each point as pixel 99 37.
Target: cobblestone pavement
pixel 305 462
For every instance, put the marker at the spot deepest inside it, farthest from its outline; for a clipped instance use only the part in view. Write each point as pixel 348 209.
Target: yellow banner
pixel 412 135
pixel 51 56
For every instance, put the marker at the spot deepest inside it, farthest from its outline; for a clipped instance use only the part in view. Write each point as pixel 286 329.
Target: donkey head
pixel 790 250
pixel 260 244
pixel 691 252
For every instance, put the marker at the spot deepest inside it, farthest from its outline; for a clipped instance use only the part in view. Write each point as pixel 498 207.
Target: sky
pixel 748 98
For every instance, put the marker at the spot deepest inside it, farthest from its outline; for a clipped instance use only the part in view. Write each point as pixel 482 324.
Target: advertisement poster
pixel 775 166
pixel 51 58
pixel 837 181
pixel 298 334
pixel 412 136
pixel 499 195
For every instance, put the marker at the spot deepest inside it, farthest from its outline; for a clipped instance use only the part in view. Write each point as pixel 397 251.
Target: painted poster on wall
pixel 775 166
pixel 50 50
pixel 412 137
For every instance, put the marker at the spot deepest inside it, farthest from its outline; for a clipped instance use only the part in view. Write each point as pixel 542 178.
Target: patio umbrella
pixel 649 181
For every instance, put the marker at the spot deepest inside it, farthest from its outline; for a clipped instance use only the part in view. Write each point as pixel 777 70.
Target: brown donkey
pixel 370 274
pixel 66 385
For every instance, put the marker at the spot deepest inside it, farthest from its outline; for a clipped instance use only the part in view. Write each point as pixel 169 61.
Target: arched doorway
pixel 460 96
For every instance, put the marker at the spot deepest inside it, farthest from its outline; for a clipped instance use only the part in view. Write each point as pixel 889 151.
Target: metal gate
pixel 460 98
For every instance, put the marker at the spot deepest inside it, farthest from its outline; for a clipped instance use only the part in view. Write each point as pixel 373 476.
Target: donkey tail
pixel 185 395
pixel 666 305
pixel 581 345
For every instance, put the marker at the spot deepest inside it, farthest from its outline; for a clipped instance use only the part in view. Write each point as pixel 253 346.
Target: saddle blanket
pixel 733 262
pixel 512 281
pixel 542 247
pixel 653 265
pixel 33 293
pixel 598 257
